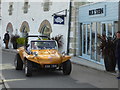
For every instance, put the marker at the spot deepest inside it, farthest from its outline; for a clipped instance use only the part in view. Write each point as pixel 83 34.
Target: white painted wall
pixel 36 12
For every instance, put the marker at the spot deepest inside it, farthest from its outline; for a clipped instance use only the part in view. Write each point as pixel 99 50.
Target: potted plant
pixel 21 41
pixel 58 39
pixel 14 40
pixel 108 52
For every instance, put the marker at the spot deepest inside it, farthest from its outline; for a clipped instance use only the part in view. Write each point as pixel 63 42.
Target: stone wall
pixel 74 32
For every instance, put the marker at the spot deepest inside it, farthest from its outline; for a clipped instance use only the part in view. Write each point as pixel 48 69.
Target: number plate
pixel 50 66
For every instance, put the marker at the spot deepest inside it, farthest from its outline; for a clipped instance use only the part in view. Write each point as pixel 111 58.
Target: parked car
pixel 42 54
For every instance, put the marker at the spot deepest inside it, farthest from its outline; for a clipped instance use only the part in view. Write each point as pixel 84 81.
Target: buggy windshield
pixel 43 45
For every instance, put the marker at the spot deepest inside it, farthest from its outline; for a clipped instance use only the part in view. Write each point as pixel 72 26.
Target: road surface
pixel 81 77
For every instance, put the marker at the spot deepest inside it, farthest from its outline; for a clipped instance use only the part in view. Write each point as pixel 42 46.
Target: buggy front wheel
pixel 28 68
pixel 18 62
pixel 67 67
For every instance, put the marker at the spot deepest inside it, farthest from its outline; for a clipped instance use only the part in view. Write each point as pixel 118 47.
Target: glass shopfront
pixel 96 19
pixel 89 42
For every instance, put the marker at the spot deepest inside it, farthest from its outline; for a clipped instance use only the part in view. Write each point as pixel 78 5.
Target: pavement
pixel 75 60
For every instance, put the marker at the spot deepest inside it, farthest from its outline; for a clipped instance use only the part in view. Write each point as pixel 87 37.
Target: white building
pixel 86 21
pixel 36 18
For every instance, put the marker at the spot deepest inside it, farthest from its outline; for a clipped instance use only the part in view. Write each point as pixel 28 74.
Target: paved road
pixel 81 77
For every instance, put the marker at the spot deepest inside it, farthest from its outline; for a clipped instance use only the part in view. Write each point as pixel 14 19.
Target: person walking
pixel 6 39
pixel 117 52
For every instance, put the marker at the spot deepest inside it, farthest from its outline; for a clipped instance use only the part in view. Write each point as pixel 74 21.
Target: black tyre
pixel 67 67
pixel 28 68
pixel 18 62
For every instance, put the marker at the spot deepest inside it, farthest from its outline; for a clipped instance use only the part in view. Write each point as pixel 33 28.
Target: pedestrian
pixel 117 51
pixel 6 39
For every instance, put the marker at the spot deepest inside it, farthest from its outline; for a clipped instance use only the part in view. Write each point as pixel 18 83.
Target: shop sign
pixel 97 12
pixel 59 19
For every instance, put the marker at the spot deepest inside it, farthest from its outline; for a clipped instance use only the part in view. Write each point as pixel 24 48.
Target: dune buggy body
pixel 43 54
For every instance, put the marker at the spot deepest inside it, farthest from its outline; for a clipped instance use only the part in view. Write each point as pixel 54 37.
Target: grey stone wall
pixel 74 31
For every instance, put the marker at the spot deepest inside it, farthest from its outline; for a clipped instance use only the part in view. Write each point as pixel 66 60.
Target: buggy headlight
pixel 35 53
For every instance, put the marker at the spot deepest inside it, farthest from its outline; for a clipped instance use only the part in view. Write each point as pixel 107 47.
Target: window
pixel 10 8
pixel 116 27
pixel 98 42
pixel 80 46
pixel 84 38
pixel 46 5
pixel 103 29
pixel 46 30
pixel 24 31
pixel 93 41
pixel 109 29
pixel 26 6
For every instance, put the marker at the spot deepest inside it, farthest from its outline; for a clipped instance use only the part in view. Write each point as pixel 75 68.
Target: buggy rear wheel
pixel 67 67
pixel 18 62
pixel 28 68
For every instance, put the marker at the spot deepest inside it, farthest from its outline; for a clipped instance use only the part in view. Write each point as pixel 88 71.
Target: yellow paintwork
pixel 46 56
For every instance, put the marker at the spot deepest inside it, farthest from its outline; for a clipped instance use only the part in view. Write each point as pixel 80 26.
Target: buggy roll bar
pixel 27 36
pixel 37 36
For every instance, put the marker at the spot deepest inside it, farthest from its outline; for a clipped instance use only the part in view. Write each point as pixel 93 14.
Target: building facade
pixel 38 18
pixel 73 44
pixel 96 19
pixel 78 23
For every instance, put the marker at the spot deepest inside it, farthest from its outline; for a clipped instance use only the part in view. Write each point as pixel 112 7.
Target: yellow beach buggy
pixel 41 54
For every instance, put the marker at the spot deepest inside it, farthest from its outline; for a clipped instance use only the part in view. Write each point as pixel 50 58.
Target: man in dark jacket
pixel 6 39
pixel 117 52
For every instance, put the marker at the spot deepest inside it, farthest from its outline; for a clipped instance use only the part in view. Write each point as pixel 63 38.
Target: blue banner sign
pixel 59 19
